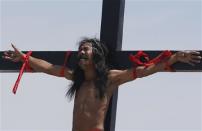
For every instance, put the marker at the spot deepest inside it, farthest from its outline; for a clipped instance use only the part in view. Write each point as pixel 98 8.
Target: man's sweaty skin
pixel 89 110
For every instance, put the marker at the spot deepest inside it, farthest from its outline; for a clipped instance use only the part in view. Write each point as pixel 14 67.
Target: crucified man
pixel 93 83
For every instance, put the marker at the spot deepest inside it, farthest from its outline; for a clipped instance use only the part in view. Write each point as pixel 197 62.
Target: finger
pixel 8 53
pixel 196 57
pixel 7 57
pixel 15 48
pixel 195 53
pixel 195 61
pixel 10 58
pixel 192 64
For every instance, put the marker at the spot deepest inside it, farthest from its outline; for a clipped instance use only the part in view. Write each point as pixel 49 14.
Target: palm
pixel 14 56
pixel 190 57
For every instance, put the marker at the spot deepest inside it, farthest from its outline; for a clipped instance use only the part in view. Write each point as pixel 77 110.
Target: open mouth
pixel 83 57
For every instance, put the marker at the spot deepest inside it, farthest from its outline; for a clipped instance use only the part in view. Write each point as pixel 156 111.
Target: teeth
pixel 83 59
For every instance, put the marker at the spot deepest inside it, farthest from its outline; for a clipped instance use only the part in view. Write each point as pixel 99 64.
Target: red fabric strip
pixel 135 59
pixel 62 71
pixel 24 66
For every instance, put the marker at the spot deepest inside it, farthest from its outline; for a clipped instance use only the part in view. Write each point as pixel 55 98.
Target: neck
pixel 89 74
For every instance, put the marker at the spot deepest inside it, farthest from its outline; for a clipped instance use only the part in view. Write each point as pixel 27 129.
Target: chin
pixel 82 66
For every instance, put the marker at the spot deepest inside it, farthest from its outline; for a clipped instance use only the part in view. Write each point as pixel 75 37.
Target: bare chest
pixel 88 95
pixel 89 109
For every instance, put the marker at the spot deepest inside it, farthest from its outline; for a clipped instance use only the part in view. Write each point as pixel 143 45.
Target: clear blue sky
pixel 163 102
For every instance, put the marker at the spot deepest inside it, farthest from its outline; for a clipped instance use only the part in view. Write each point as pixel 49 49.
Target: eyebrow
pixel 85 46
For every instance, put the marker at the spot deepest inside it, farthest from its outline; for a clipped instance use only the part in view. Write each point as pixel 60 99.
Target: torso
pixel 89 110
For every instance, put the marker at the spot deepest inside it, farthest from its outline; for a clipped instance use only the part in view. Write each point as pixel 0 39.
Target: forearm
pixel 39 65
pixel 142 71
pixel 153 66
pixel 36 64
pixel 162 65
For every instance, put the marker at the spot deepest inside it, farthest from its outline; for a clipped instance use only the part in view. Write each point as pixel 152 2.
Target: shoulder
pixel 113 73
pixel 112 82
pixel 113 76
pixel 121 76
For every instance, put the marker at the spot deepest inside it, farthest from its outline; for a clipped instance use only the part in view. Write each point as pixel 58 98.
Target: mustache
pixel 82 57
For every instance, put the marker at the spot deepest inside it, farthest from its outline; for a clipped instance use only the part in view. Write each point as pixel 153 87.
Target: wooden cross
pixel 111 34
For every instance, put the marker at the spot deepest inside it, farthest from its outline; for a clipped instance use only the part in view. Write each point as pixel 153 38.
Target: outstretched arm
pixel 122 76
pixel 38 65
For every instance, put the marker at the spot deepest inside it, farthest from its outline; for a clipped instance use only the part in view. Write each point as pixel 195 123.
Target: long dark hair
pixel 100 53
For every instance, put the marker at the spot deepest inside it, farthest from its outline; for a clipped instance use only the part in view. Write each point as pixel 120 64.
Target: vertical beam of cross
pixel 111 34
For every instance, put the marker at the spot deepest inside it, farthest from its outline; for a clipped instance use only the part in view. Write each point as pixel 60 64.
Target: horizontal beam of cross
pixel 122 61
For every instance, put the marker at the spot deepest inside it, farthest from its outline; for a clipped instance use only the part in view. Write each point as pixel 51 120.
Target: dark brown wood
pixel 111 34
pixel 57 57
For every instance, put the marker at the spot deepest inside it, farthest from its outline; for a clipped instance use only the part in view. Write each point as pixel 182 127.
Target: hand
pixel 190 57
pixel 14 56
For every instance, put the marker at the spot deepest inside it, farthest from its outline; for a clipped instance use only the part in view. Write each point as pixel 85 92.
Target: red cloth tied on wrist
pixel 24 66
pixel 136 59
pixel 62 71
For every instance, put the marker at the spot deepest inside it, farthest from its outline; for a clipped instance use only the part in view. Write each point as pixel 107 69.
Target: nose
pixel 81 52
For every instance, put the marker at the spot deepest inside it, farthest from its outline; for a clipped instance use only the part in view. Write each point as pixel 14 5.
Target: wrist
pixel 22 57
pixel 168 63
pixel 25 57
pixel 175 57
pixel 179 56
